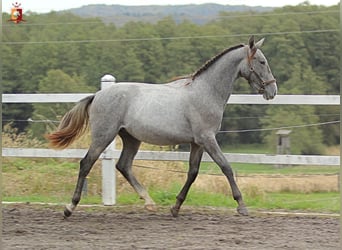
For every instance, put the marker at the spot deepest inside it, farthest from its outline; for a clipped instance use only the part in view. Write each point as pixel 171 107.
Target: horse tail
pixel 72 125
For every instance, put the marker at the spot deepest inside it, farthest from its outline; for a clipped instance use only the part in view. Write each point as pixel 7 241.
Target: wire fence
pixel 221 131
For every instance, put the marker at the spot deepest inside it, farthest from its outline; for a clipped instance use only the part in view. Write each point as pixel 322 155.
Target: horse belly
pixel 160 133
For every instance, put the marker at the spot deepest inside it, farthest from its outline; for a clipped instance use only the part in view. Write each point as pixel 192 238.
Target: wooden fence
pixel 111 153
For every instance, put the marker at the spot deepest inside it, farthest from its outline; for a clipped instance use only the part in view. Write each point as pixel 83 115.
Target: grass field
pixel 311 188
pixel 314 202
pixel 263 187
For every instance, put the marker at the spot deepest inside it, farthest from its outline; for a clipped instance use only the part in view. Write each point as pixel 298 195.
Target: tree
pixel 46 116
pixel 302 47
pixel 132 69
pixel 306 137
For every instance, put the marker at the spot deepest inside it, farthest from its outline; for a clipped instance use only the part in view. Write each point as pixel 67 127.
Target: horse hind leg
pixel 124 165
pixel 96 148
pixel 194 163
pixel 85 166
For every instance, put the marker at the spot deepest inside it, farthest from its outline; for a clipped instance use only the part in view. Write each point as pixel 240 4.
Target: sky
pixel 40 6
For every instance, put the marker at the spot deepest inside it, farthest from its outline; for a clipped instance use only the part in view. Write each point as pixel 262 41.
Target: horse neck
pixel 219 77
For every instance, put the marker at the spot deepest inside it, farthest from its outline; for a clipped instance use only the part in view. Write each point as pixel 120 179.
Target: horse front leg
pixel 194 163
pixel 213 149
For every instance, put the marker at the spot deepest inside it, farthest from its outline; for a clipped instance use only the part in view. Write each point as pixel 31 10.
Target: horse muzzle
pixel 270 90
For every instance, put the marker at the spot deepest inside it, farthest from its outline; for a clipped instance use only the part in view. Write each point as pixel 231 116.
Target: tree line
pixel 62 52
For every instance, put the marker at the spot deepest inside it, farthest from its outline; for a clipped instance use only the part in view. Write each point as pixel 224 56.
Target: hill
pixel 199 14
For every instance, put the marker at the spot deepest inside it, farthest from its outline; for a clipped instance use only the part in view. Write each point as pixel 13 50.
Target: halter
pixel 262 84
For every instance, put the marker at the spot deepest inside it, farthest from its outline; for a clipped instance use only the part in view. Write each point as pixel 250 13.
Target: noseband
pixel 261 84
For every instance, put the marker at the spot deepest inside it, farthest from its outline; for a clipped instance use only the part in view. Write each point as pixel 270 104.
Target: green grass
pixel 53 181
pixel 317 202
pixel 312 202
pixel 51 199
pixel 247 168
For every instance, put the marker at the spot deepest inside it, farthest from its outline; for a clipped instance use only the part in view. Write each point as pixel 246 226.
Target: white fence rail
pixel 234 99
pixel 177 156
pixel 110 154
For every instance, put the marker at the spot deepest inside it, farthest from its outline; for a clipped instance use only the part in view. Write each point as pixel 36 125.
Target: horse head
pixel 256 71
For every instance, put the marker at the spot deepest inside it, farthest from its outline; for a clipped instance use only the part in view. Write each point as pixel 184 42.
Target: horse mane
pixel 206 65
pixel 211 61
pixel 181 77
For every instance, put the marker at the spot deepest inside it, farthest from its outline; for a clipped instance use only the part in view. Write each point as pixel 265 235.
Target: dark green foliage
pixel 56 81
pixel 62 52
pixel 304 140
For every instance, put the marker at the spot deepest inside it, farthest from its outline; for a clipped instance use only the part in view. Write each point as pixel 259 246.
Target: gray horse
pixel 186 110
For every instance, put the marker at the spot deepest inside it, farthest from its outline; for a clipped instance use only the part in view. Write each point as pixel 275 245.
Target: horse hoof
pixel 67 212
pixel 174 212
pixel 151 207
pixel 242 210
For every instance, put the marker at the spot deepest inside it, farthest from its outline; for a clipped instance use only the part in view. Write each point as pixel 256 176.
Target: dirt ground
pixel 130 227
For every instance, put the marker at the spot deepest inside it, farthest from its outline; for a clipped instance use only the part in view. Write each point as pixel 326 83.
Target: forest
pixel 64 53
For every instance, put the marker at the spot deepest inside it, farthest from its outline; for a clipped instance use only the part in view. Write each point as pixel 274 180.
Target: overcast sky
pixel 47 6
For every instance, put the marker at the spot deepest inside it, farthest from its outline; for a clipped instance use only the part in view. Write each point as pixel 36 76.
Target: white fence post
pixel 108 163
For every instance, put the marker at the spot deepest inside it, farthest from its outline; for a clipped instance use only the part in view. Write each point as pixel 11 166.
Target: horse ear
pixel 251 42
pixel 259 44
